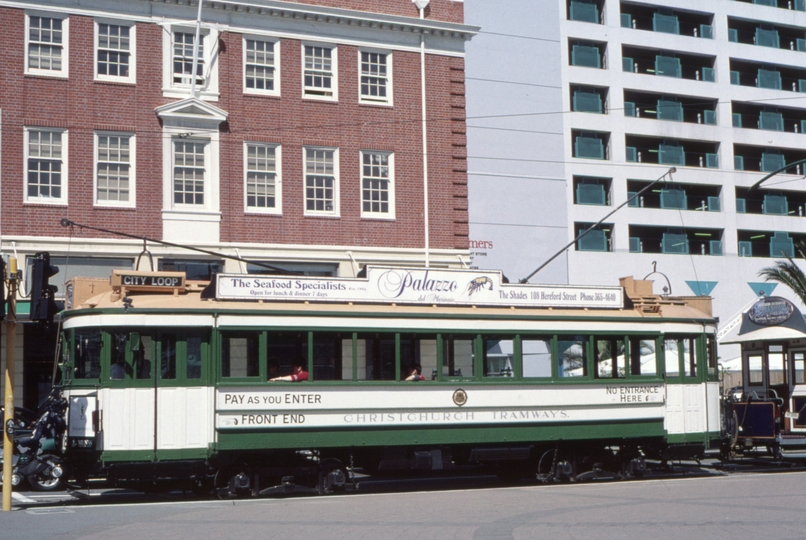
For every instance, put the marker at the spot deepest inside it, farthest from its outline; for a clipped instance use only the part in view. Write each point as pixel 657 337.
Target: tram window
pixel 671 353
pixel 119 369
pixel 777 367
pixel 499 353
pixel 143 354
pixel 168 357
pixel 689 360
pixel 239 356
pixel 572 356
pixel 536 357
pixel 87 354
pixel 642 357
pixel 710 356
pixel 610 363
pixel 375 354
pixel 327 356
pixel 755 376
pixel 281 350
pixel 194 355
pixel 799 359
pixel 457 356
pixel 421 350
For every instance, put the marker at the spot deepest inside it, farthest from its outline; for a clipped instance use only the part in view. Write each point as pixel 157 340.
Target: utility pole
pixel 8 428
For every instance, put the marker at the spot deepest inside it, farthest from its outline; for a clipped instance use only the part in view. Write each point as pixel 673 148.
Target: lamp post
pixel 421 5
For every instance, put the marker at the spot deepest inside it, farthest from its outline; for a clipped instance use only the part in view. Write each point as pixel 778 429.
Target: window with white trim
pixel 178 76
pixel 376 77
pixel 260 70
pixel 114 169
pixel 321 181
pixel 319 73
pixel 263 192
pixel 45 164
pixel 46 45
pixel 377 195
pixel 114 57
pixel 189 172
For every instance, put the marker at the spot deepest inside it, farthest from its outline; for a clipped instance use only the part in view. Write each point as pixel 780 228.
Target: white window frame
pixel 63 72
pixel 334 70
pixel 132 202
pixel 62 199
pixel 391 187
pixel 388 100
pixel 276 46
pixel 131 78
pixel 207 89
pixel 334 212
pixel 207 153
pixel 278 185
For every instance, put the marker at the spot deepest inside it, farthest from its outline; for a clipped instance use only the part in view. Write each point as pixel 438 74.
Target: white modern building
pixel 574 106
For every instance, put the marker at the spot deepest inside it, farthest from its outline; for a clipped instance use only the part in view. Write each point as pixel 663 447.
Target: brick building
pixel 298 140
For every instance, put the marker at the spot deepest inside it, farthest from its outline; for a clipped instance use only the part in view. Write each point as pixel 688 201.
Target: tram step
pixel 792 442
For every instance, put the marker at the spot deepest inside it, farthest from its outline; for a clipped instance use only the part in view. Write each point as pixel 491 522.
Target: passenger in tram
pixel 298 374
pixel 274 368
pixel 415 373
pixel 118 370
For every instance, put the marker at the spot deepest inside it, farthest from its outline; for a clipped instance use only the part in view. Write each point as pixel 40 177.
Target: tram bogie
pixel 173 386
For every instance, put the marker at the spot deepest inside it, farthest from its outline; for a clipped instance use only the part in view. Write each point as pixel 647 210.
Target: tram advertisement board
pixel 416 286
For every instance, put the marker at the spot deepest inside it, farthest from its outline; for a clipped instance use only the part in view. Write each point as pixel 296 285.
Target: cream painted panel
pixel 127 418
pixel 694 408
pixel 712 401
pixel 674 419
pixel 185 418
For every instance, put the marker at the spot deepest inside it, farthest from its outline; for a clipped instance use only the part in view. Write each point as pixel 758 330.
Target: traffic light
pixel 43 304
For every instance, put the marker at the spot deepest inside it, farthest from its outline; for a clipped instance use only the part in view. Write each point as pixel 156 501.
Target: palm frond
pixel 788 273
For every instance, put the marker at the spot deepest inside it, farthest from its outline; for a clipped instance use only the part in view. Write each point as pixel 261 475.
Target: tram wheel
pixel 332 476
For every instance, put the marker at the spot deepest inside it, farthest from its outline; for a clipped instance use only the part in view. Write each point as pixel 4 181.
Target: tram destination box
pixel 132 280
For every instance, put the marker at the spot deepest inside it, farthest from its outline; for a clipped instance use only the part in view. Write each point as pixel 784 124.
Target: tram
pixel 766 414
pixel 169 381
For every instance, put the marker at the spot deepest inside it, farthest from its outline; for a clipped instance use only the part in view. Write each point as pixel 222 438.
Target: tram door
pixel 685 395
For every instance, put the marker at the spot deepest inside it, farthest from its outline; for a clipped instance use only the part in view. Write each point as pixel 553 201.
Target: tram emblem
pixel 460 397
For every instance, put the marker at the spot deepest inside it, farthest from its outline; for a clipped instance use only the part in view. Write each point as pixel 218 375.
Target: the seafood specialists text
pixel 286 284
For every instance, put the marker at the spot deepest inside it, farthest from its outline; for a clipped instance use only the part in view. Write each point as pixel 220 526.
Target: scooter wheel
pixel 45 483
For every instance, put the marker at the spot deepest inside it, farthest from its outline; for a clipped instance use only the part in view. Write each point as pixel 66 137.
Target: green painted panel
pixel 116 456
pixel 440 435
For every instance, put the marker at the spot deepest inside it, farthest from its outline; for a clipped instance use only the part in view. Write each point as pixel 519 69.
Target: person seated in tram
pixel 118 370
pixel 415 373
pixel 298 374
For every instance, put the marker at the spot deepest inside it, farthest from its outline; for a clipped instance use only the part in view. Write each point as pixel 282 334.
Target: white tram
pixel 169 381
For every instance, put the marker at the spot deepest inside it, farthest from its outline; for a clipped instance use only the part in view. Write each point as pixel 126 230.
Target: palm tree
pixel 789 273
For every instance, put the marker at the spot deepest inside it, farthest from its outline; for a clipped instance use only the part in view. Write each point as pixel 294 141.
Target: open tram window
pixel 643 360
pixel 572 356
pixel 328 355
pixel 418 349
pixel 281 350
pixel 499 356
pixel 119 368
pixel 710 356
pixel 239 355
pixel 375 354
pixel 168 357
pixel 86 354
pixel 142 355
pixel 610 360
pixel 457 356
pixel 536 357
pixel 689 358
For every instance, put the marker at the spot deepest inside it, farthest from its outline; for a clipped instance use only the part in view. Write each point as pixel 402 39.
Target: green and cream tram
pixel 169 380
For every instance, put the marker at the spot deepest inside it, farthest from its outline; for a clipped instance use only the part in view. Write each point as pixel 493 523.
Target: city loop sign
pixel 416 286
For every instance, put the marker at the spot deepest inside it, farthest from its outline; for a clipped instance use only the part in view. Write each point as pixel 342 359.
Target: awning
pixel 770 333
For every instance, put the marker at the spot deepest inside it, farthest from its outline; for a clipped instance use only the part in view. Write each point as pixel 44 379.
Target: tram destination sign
pixel 416 286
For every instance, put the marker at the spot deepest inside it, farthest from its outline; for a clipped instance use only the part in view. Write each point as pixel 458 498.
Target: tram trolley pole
pixel 8 428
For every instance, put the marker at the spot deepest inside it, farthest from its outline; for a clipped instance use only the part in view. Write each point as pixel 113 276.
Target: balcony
pixel 592 190
pixel 598 239
pixel 691 197
pixel 589 99
pixel 773 77
pixel 585 11
pixel 764 159
pixel 774 245
pixel 686 153
pixel 675 240
pixel 798 5
pixel 668 64
pixel 669 107
pixel 752 116
pixel 770 202
pixel 665 20
pixel 587 54
pixel 590 145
